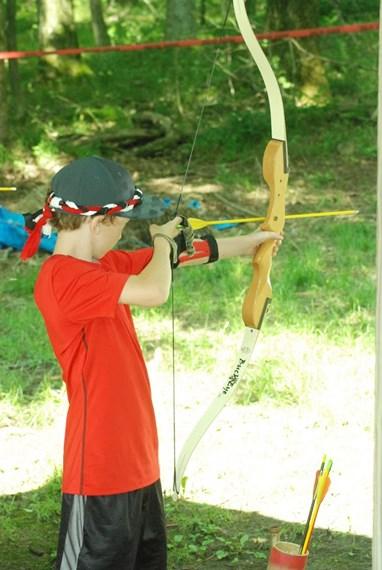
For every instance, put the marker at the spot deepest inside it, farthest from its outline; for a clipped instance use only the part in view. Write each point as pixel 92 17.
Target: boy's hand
pixel 170 229
pixel 261 236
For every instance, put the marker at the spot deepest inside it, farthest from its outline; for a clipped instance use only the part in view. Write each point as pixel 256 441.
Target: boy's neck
pixel 75 244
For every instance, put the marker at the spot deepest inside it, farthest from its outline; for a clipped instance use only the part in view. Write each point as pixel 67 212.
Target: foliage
pixel 235 101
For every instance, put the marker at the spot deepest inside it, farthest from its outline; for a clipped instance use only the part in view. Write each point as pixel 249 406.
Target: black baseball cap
pixel 96 181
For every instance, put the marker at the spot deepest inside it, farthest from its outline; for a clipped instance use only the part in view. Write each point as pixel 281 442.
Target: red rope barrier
pixel 271 36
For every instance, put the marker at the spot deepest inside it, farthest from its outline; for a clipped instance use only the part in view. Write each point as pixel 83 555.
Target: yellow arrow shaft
pixel 7 188
pixel 320 495
pixel 312 521
pixel 198 224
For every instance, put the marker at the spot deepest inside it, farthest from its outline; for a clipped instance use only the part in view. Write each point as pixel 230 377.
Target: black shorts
pixel 113 532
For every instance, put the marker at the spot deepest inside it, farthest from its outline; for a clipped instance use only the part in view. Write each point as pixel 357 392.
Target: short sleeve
pixel 85 291
pixel 131 262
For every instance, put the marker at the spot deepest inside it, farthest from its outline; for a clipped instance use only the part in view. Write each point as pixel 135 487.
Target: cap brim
pixel 150 208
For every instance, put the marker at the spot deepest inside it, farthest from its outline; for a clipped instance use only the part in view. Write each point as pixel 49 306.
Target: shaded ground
pixel 207 531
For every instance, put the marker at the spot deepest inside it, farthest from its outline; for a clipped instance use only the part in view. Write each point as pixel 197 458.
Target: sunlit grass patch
pixel 36 410
pixel 333 379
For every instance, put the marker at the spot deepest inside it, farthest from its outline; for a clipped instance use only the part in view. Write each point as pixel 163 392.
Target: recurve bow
pixel 259 293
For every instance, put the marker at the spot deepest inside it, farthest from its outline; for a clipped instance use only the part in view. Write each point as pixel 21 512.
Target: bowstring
pixel 178 203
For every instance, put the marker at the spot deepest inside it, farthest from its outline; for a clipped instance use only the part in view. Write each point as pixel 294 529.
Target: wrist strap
pixel 214 248
pixel 174 247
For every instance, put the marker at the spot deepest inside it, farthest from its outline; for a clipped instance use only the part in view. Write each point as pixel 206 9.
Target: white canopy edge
pixel 377 514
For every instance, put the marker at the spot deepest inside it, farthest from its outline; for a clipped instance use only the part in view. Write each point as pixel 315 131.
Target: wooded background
pixel 52 24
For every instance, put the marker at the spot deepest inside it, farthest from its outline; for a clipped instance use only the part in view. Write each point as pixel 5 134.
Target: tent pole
pixel 377 516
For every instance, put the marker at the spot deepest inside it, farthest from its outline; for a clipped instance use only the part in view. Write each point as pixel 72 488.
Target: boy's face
pixel 106 235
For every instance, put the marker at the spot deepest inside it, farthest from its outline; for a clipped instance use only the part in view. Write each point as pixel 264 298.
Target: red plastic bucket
pixel 286 556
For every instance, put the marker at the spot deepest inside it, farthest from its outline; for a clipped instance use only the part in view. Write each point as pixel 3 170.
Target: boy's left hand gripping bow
pixel 259 294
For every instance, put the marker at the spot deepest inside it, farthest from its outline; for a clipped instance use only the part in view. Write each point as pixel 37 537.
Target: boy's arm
pixel 246 245
pixel 152 286
pixel 225 248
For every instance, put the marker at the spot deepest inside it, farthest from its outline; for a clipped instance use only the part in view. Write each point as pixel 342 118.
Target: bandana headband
pixel 34 223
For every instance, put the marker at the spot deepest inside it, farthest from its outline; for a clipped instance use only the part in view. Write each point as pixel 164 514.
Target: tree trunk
pixel 101 36
pixel 57 30
pixel 11 40
pixel 180 19
pixel 56 24
pixel 3 79
pixel 202 12
pixel 123 2
pixel 303 64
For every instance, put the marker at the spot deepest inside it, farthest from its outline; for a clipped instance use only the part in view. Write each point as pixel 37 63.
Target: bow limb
pixel 259 294
pixel 215 407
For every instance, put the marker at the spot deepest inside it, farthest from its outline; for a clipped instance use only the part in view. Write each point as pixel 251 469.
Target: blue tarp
pixel 13 234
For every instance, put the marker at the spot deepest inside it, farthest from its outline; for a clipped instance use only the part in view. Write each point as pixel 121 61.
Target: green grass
pixel 198 536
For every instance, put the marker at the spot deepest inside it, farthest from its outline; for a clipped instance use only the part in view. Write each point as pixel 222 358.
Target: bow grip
pixel 259 293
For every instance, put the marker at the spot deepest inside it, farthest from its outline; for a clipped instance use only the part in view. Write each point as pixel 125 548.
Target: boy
pixel 112 511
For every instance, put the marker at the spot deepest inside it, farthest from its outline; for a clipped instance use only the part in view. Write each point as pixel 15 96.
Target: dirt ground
pixel 257 458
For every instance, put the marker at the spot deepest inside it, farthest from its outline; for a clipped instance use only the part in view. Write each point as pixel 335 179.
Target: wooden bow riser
pixel 259 293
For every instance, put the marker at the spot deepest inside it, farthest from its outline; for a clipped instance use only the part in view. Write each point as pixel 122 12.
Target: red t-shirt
pixel 111 443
